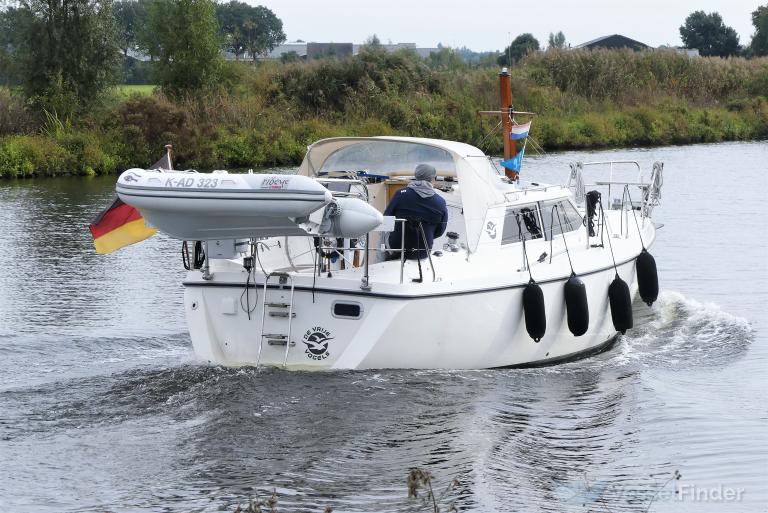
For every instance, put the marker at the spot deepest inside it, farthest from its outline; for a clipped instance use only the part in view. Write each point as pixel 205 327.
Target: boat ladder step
pixel 277 339
pixel 278 342
pixel 282 314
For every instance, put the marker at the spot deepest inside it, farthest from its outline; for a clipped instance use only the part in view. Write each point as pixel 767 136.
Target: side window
pixel 525 219
pixel 572 219
pixel 569 217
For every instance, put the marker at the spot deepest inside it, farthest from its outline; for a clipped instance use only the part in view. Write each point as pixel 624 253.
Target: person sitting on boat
pixel 422 209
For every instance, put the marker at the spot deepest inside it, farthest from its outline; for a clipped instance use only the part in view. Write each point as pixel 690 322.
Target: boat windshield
pixel 389 157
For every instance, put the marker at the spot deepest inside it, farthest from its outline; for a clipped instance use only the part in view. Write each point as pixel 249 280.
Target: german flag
pixel 119 225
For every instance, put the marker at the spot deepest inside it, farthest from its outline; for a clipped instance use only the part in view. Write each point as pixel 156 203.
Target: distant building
pixel 311 51
pixel 688 52
pixel 395 47
pixel 613 42
pixel 341 50
pixel 278 51
pixel 392 47
pixel 424 53
pixel 320 50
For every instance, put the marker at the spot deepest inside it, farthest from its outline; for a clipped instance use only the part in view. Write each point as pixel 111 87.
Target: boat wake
pixel 682 331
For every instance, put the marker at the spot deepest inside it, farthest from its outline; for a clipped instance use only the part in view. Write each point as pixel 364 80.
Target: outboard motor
pixel 576 306
pixel 647 277
pixel 621 305
pixel 348 218
pixel 535 314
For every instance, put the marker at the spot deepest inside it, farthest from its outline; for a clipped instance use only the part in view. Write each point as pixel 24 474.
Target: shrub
pixel 22 156
pixel 14 118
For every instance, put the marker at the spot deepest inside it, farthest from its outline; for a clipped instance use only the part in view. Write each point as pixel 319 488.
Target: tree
pixel 557 40
pixel 264 31
pixel 244 27
pixel 8 24
pixel 708 34
pixel 130 16
pixel 759 44
pixel 231 17
pixel 183 36
pixel 289 57
pixel 447 59
pixel 520 47
pixel 373 41
pixel 65 52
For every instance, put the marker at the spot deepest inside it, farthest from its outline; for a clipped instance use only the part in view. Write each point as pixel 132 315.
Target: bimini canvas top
pixel 479 182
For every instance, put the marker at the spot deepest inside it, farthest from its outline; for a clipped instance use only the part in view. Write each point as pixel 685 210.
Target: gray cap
pixel 425 172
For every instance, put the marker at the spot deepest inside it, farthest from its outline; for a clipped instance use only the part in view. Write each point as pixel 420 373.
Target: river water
pixel 104 408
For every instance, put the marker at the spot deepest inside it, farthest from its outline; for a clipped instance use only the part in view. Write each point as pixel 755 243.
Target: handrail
pixel 402 250
pixel 188 171
pixel 329 179
pixel 610 181
pixel 604 162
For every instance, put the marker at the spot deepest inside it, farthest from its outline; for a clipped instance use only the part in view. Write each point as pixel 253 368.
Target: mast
pixel 505 95
pixel 506 112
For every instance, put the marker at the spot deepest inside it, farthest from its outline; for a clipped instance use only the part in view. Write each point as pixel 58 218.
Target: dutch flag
pixel 520 131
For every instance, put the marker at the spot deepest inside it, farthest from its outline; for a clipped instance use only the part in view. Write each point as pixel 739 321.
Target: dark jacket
pixel 431 211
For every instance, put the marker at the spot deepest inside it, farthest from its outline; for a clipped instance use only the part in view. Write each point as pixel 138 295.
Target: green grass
pixel 127 90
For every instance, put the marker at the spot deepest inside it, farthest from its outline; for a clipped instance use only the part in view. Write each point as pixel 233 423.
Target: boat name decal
pixel 189 182
pixel 490 229
pixel 275 182
pixel 316 340
pixel 131 177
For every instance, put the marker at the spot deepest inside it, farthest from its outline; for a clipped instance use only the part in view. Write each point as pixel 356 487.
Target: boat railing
pixel 650 189
pixel 362 192
pixel 341 253
pixel 612 165
pixel 533 187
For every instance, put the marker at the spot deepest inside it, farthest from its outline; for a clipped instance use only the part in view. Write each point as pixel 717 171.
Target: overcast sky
pixel 487 24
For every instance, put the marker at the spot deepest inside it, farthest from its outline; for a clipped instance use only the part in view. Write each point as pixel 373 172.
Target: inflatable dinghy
pixel 208 206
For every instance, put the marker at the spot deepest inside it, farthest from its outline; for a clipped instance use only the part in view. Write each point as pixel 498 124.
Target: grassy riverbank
pixel 127 90
pixel 266 116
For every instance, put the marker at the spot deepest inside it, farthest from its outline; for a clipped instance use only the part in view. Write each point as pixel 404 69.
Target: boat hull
pixel 470 329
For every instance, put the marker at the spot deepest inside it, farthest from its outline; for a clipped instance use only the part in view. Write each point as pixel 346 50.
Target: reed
pixel 632 78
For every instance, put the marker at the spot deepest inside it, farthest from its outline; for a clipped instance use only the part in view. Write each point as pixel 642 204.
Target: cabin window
pixel 525 219
pixel 347 310
pixel 570 218
pixel 388 157
pixel 338 186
